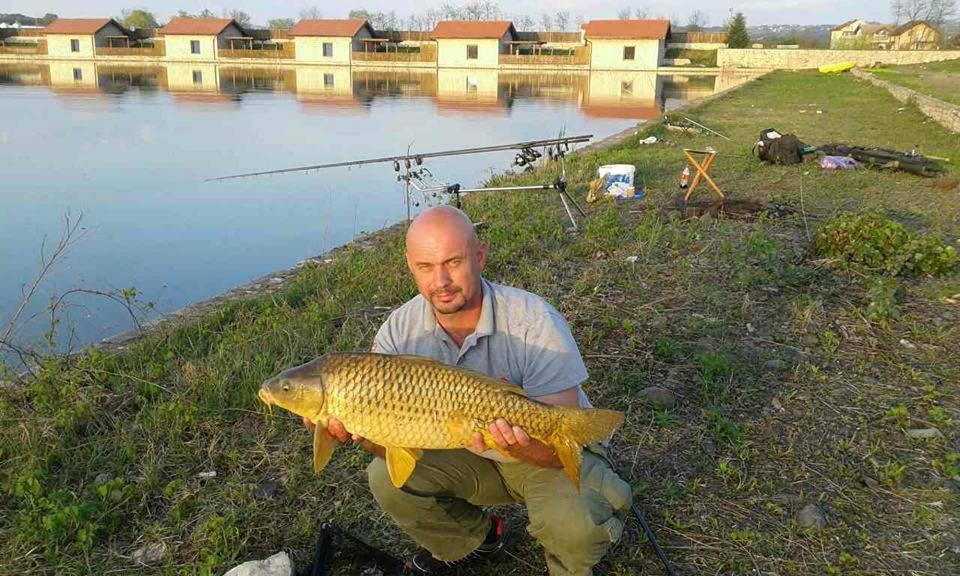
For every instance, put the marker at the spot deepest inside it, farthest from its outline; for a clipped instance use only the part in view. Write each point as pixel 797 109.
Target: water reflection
pixel 606 94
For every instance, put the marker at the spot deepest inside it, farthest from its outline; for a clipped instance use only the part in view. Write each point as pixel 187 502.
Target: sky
pixel 756 11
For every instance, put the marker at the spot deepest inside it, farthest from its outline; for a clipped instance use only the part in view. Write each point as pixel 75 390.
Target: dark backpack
pixel 779 149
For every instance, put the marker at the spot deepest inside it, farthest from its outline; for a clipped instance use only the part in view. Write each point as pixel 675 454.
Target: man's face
pixel 446 267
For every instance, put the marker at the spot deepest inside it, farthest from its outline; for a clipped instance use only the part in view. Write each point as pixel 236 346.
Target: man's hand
pixel 336 429
pixel 514 441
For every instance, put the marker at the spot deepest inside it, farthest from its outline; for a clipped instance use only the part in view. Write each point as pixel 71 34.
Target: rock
pixel 277 565
pixel 907 344
pixel 207 475
pixel 871 483
pixel 372 571
pixel 659 397
pixel 811 516
pixel 265 490
pixel 102 478
pixel 924 433
pixel 810 340
pixel 149 553
pixel 775 364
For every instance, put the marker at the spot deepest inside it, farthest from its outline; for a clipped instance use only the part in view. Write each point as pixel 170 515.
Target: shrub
pixel 879 244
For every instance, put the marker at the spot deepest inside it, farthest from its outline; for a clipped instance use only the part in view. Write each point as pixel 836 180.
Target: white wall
pixel 453 53
pixel 310 49
pixel 608 54
pixel 58 46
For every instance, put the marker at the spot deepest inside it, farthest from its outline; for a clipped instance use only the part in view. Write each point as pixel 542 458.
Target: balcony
pixel 393 53
pixel 39 48
pixel 579 56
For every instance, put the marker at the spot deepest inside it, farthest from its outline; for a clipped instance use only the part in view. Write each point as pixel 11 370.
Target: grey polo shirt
pixel 519 337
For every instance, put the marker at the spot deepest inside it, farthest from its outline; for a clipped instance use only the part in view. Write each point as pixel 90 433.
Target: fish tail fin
pixel 578 428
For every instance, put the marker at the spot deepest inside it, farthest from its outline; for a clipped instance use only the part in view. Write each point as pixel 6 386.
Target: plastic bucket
pixel 618 180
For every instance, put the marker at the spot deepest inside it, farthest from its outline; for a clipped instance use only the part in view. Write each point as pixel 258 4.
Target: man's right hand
pixel 336 429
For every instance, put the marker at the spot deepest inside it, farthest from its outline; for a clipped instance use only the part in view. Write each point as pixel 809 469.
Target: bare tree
pixel 940 12
pixel 579 21
pixel 523 22
pixel 561 20
pixel 430 18
pixel 906 10
pixel 624 14
pixel 311 13
pixel 696 21
pixel 641 13
pixel 546 23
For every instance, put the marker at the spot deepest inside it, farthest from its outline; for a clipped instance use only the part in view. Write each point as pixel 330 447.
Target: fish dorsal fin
pixel 415 358
pixel 400 463
pixel 498 385
pixel 323 445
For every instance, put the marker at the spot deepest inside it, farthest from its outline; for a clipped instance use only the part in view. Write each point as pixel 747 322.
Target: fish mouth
pixel 265 397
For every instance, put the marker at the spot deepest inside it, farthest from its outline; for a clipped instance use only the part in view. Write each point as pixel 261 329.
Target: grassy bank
pixel 790 390
pixel 705 58
pixel 938 79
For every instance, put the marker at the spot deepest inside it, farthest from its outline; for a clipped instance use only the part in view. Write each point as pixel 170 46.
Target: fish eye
pixel 286 387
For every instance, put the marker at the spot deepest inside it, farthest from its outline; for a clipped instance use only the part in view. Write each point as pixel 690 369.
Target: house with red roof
pixel 80 37
pixel 626 44
pixel 329 41
pixel 472 43
pixel 201 38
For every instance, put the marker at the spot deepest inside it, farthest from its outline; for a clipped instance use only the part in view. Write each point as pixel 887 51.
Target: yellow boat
pixel 841 67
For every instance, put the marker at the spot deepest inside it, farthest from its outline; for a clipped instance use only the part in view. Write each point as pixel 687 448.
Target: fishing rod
pixel 407 158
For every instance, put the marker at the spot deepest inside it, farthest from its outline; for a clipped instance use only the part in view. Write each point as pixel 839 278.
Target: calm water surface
pixel 128 149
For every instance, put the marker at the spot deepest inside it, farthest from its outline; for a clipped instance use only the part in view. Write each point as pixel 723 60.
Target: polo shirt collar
pixel 486 325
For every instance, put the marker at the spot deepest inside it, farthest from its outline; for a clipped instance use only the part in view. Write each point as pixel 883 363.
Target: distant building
pixel 626 44
pixel 860 35
pixel 915 35
pixel 329 41
pixel 80 37
pixel 472 43
pixel 201 38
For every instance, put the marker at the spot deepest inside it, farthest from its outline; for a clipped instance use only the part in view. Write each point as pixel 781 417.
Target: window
pixel 472 84
pixel 629 52
pixel 74 45
pixel 472 51
pixel 328 49
pixel 198 77
pixel 194 46
pixel 77 75
pixel 626 88
pixel 328 80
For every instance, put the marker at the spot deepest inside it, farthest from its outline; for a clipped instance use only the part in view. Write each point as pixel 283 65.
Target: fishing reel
pixel 556 153
pixel 526 156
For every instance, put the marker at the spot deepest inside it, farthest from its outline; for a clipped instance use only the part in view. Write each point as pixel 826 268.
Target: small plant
pixel 665 348
pixel 723 430
pixel 877 243
pixel 949 466
pixel 881 299
pixel 900 414
pixel 665 418
pixel 714 371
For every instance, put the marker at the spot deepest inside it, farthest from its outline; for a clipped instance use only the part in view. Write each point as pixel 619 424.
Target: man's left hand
pixel 514 441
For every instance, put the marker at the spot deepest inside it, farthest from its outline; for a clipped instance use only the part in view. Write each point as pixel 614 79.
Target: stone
pixel 149 553
pixel 279 564
pixel 811 516
pixel 265 490
pixel 207 475
pixel 372 571
pixel 659 397
pixel 924 433
pixel 102 478
pixel 776 364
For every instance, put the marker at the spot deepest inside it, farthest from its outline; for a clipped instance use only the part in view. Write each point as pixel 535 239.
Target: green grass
pixel 938 79
pixel 103 455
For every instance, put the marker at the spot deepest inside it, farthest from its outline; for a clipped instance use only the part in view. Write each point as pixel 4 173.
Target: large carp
pixel 410 403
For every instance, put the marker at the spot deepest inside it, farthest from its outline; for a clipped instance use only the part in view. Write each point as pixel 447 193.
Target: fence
pixel 40 48
pixel 427 53
pixel 697 38
pixel 285 51
pixel 579 56
pixel 156 51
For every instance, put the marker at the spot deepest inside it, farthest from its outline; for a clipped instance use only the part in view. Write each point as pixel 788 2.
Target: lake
pixel 128 149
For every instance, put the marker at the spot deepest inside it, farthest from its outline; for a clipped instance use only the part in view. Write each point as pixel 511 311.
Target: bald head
pixel 442 221
pixel 446 259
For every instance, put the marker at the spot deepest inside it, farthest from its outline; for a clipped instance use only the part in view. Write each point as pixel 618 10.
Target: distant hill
pixel 27 20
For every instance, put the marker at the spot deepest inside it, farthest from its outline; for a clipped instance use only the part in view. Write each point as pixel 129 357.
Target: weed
pixel 881 300
pixel 665 349
pixel 723 430
pixel 714 375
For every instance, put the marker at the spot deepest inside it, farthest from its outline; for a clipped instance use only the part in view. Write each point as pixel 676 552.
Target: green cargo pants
pixel 439 506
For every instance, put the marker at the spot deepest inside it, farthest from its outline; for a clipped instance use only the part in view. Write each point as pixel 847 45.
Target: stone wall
pixel 800 59
pixel 944 113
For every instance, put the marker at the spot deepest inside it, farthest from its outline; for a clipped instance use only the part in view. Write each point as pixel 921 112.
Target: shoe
pixel 423 562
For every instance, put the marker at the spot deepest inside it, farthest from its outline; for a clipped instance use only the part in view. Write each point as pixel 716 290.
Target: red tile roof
pixel 472 29
pixel 197 26
pixel 628 29
pixel 78 25
pixel 333 28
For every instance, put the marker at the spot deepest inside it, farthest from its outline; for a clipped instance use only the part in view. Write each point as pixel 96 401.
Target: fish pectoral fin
pixel 492 444
pixel 571 455
pixel 400 463
pixel 323 445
